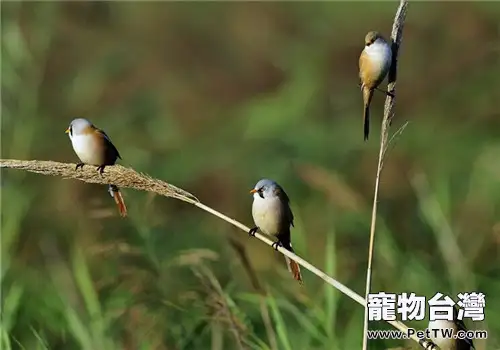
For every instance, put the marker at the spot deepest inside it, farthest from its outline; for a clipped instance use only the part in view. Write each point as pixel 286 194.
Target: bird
pixel 272 214
pixel 448 343
pixel 374 63
pixel 94 147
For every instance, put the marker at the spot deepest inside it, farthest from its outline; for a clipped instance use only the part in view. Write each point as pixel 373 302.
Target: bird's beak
pixel 67 130
pixel 253 190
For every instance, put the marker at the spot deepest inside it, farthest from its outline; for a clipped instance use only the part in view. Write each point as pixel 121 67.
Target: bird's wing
pixel 290 214
pixel 108 141
pixel 362 63
pixel 461 326
pixel 284 198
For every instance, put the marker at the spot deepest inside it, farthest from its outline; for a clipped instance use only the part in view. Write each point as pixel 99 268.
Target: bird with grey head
pixel 273 216
pixel 438 336
pixel 94 147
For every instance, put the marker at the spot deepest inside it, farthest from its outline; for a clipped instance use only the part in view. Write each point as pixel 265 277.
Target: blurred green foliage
pixel 212 97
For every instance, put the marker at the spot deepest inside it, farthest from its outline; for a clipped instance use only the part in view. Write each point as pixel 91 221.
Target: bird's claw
pixel 100 169
pixel 388 93
pixel 276 244
pixel 253 231
pixel 79 165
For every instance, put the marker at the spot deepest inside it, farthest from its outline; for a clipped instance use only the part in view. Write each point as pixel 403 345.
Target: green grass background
pixel 212 97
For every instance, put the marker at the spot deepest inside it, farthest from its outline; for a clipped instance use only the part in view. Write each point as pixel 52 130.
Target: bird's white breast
pixel 86 148
pixel 267 214
pixel 380 55
pixel 443 343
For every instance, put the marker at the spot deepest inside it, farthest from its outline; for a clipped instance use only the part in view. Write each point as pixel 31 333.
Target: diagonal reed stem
pixel 129 178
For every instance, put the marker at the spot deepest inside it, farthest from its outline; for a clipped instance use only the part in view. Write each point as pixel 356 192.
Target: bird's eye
pixel 71 130
pixel 261 192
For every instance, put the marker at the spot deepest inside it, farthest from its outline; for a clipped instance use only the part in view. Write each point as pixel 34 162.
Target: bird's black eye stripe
pixel 260 190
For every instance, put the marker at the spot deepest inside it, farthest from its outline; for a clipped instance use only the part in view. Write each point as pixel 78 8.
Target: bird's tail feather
pixel 117 196
pixel 293 267
pixel 366 122
pixel 367 98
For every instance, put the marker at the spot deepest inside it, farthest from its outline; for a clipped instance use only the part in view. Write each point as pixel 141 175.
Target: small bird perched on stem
pixel 374 64
pixel 443 340
pixel 94 147
pixel 272 215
